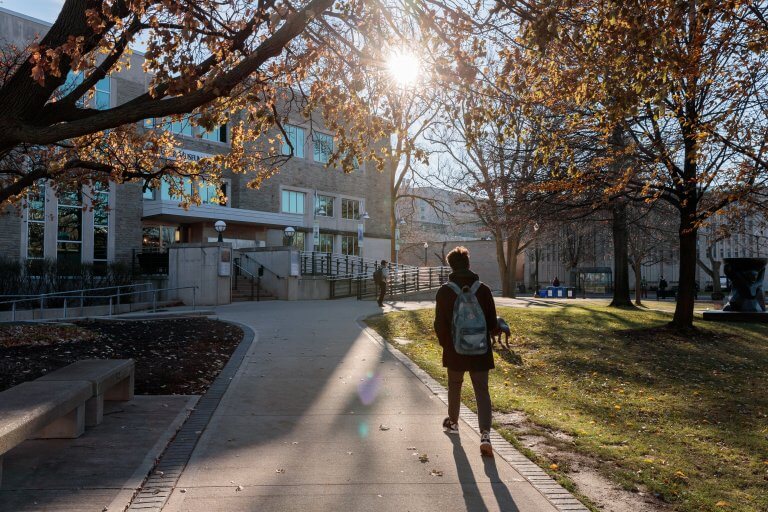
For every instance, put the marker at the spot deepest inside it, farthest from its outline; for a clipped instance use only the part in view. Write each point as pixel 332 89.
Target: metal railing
pixel 344 266
pixel 399 282
pixel 82 296
pixel 254 280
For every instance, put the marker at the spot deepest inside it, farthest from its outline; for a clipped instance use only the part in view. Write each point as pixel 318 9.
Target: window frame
pixel 285 207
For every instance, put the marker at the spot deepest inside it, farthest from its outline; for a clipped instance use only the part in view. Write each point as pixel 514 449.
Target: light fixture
pixel 220 226
pixel 402 222
pixel 289 233
pixel 365 216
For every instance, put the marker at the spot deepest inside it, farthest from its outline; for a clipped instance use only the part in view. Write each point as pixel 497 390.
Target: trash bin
pixel 570 293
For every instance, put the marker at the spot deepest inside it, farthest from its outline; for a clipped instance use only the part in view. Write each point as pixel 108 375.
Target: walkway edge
pixel 556 494
pixel 162 479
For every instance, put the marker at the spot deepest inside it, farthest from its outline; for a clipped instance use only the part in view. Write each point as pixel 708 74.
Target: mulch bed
pixel 173 356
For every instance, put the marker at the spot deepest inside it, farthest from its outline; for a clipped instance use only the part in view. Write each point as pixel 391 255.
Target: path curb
pixel 556 494
pixel 157 488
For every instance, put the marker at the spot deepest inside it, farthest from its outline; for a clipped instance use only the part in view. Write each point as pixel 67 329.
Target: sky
pixel 46 10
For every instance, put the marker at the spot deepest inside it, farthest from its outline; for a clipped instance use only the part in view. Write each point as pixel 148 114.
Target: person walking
pixel 465 320
pixel 380 277
pixel 662 289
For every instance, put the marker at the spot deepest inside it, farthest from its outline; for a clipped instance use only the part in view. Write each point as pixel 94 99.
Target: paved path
pixel 320 417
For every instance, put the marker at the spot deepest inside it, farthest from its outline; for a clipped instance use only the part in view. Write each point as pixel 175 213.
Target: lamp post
pixel 361 232
pixel 289 233
pixel 426 246
pixel 398 223
pixel 220 226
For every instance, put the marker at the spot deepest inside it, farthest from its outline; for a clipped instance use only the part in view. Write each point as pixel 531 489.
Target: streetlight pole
pixel 398 223
pixel 426 246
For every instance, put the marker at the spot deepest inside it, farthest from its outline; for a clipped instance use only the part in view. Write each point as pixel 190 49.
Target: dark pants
pixel 382 292
pixel 483 398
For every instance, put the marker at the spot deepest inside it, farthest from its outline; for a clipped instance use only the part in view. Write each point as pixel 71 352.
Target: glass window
pixel 293 202
pixel 151 237
pixel 185 184
pixel 102 94
pixel 350 209
pixel 36 221
pixel 326 243
pixel 217 134
pixel 324 206
pixel 100 251
pixel 35 238
pixel 298 240
pixel 100 224
pixel 323 145
pixel 168 234
pixel 296 137
pixel 349 245
pixel 68 254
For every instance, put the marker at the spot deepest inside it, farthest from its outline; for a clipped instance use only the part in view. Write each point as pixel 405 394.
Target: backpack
pixel 468 328
pixel 378 276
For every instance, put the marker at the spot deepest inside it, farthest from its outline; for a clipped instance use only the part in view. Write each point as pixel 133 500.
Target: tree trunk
pixel 393 231
pixel 501 261
pixel 619 230
pixel 638 284
pixel 510 279
pixel 683 318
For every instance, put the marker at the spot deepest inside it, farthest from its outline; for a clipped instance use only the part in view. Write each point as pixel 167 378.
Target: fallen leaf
pixel 436 472
pixel 280 470
pixel 383 427
pixel 553 467
pixel 424 458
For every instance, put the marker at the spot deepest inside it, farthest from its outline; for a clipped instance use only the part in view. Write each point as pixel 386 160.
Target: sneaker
pixel 450 427
pixel 486 450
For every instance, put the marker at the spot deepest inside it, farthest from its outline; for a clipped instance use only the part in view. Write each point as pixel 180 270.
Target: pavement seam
pixel 156 489
pixel 531 472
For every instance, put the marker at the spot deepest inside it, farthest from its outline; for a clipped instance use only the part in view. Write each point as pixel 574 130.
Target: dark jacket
pixel 444 318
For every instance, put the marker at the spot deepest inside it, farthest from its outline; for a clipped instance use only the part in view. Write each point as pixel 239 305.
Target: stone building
pixel 345 211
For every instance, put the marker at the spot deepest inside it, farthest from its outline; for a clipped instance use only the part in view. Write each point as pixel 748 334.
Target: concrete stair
pixel 241 290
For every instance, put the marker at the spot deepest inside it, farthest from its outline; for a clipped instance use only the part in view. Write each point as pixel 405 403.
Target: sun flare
pixel 404 67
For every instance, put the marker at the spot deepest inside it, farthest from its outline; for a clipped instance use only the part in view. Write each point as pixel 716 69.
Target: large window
pixel 100 225
pixel 185 127
pixel 217 134
pixel 324 206
pixel 36 221
pixel 299 238
pixel 158 237
pixel 350 209
pixel 293 202
pixel 69 238
pixel 101 93
pixel 323 145
pixel 296 137
pixel 326 243
pixel 349 245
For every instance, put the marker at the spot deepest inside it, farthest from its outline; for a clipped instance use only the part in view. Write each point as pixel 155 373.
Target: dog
pixel 503 329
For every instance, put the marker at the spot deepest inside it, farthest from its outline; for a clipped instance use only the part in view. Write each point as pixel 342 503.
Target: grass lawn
pixel 683 417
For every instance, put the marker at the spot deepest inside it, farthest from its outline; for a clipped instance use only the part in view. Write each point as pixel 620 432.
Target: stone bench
pixel 42 410
pixel 110 379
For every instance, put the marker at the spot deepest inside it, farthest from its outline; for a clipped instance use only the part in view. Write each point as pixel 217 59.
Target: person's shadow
pixel 473 498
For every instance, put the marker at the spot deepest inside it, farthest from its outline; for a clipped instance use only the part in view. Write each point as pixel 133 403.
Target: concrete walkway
pixel 320 417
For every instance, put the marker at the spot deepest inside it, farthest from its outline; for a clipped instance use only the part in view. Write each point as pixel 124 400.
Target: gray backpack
pixel 468 330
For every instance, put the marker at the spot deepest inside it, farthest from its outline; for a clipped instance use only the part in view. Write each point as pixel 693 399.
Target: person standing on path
pixel 457 364
pixel 380 277
pixel 662 289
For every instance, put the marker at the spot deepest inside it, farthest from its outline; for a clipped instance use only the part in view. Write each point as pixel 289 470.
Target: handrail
pixel 261 264
pixel 245 271
pixel 81 292
pixel 111 298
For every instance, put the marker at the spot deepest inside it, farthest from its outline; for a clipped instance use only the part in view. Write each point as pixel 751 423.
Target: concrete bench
pixel 110 379
pixel 42 410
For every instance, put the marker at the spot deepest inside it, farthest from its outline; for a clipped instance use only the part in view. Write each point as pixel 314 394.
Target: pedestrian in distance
pixel 556 282
pixel 662 290
pixel 380 277
pixel 465 320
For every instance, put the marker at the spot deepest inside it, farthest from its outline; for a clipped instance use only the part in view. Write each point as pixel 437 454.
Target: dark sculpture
pixel 746 276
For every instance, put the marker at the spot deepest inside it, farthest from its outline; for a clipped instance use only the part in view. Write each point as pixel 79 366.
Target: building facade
pixel 330 211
